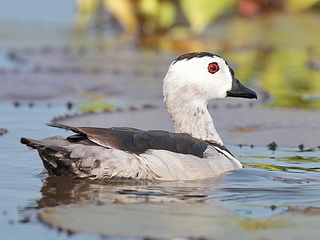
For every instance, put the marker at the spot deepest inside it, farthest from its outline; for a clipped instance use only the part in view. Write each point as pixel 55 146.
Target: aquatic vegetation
pixel 262 224
pixel 97 104
pixel 151 17
pixel 285 160
pixel 271 167
pixel 299 159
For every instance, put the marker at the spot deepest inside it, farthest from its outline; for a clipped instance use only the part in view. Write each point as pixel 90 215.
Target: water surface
pixel 270 183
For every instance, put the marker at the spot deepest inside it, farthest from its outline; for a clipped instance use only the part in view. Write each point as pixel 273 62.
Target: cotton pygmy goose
pixel 194 151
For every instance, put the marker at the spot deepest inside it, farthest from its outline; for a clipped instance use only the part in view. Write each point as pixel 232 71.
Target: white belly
pixel 174 166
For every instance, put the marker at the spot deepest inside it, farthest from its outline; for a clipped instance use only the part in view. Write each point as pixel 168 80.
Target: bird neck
pixel 193 118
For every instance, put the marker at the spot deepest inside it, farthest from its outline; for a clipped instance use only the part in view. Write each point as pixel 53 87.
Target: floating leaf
pixel 284 66
pixel 262 224
pixel 246 129
pixel 148 8
pixel 244 62
pixel 202 12
pixel 167 14
pixel 124 12
pixel 300 5
pixel 157 14
pixel 271 167
pixel 86 11
pixel 299 159
pixel 97 104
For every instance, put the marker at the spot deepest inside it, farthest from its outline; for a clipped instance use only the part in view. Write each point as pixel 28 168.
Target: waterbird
pixel 194 151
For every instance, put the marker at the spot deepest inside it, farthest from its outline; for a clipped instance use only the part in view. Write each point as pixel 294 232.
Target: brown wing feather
pixel 138 141
pixel 120 138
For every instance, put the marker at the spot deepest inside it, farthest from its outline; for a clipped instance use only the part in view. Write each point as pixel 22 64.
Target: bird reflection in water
pixel 57 190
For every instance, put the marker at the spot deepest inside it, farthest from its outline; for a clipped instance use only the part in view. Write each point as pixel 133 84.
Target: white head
pixel 202 76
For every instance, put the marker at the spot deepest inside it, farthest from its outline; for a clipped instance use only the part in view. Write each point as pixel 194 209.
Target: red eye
pixel 213 67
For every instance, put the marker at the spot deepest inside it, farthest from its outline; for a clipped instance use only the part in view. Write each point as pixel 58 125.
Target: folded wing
pixel 137 141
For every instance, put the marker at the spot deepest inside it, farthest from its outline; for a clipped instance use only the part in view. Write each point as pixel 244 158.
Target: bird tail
pixel 53 157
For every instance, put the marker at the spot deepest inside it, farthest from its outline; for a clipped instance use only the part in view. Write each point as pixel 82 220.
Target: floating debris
pixel 308 210
pixel 3 131
pixel 149 106
pixel 133 108
pixel 12 56
pixel 69 105
pixel 301 147
pixel 272 146
pixel 16 104
pixel 25 219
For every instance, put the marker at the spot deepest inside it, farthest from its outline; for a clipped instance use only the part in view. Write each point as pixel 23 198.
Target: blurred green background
pixel 274 45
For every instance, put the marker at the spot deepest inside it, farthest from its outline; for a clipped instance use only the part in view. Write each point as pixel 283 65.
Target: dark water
pixel 269 184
